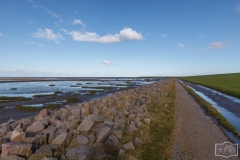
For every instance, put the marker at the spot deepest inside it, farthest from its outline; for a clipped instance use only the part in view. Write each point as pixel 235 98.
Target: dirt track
pixel 196 133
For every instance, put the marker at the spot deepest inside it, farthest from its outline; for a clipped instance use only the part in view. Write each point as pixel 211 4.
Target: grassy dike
pixel 225 83
pixel 212 111
pixel 158 137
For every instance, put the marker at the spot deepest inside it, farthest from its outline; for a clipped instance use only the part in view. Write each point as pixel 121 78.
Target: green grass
pixel 71 99
pixel 162 127
pixel 44 95
pixel 35 109
pixel 94 91
pixel 74 86
pixel 225 83
pixel 213 112
pixel 4 99
pixel 98 87
pixel 57 92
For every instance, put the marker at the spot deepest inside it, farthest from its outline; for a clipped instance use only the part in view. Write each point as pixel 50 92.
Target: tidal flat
pixel 41 92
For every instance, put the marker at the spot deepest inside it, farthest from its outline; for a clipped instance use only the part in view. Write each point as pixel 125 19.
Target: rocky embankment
pixel 88 130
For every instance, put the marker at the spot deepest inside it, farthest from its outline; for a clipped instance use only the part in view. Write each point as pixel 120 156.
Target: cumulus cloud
pixel 78 21
pixel 216 45
pixel 108 63
pixel 237 8
pixel 1 34
pixel 36 43
pixel 126 34
pixel 48 34
pixel 181 45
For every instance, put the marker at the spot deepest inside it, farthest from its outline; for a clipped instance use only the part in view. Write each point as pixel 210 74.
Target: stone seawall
pixel 82 131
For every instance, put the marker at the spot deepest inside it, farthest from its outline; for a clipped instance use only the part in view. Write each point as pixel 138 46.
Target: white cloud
pixel 48 34
pixel 216 45
pixel 51 13
pixel 237 8
pixel 36 43
pixel 1 34
pixel 201 36
pixel 181 45
pixel 78 21
pixel 126 34
pixel 108 63
pixel 163 35
pixel 30 21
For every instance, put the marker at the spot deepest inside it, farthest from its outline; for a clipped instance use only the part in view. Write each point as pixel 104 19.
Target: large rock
pixel 82 152
pixel 121 152
pixel 95 118
pixel 13 157
pixel 138 123
pixel 44 112
pixel 128 145
pixel 137 141
pixel 103 133
pixel 118 131
pixel 17 136
pixel 51 137
pixel 112 139
pixel 62 139
pixel 147 120
pixel 15 148
pixel 50 129
pixel 36 127
pixel 40 139
pixel 4 128
pixel 73 125
pixel 74 117
pixel 15 124
pixel 76 111
pixel 132 128
pixel 86 125
pixel 82 140
pixel 49 158
pixel 43 151
pixel 60 124
pixel 25 123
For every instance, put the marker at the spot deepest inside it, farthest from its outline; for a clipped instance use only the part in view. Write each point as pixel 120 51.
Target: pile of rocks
pixel 80 131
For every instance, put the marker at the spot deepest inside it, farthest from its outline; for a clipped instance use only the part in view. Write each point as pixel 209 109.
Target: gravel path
pixel 196 133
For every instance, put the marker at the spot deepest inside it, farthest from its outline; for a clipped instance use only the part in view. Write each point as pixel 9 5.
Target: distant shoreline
pixel 39 79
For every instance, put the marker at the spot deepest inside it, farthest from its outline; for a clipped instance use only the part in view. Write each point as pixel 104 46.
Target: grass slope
pixel 225 83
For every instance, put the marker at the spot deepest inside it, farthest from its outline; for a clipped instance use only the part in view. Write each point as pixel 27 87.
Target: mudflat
pixel 197 133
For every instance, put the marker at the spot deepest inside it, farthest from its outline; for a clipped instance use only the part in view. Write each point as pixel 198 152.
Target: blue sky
pixel 98 38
